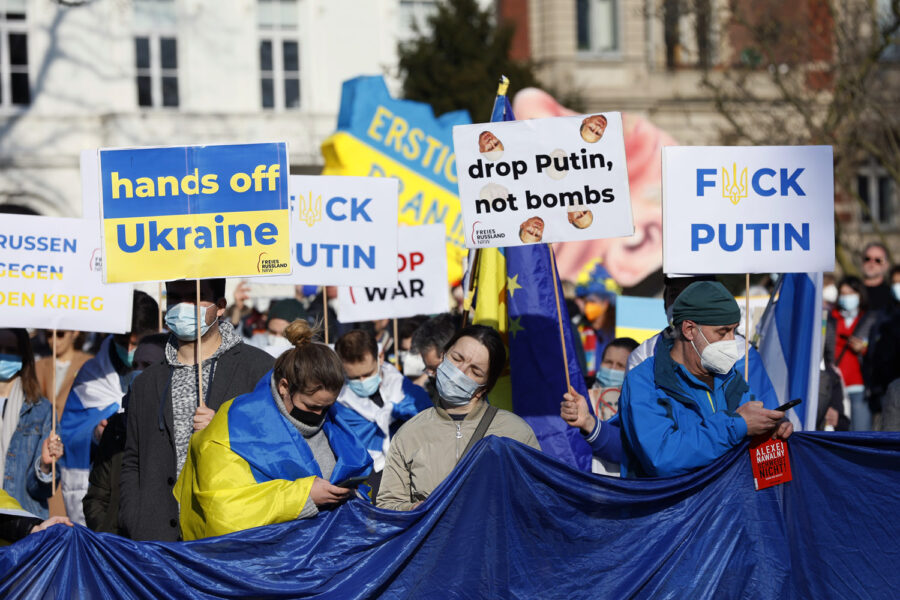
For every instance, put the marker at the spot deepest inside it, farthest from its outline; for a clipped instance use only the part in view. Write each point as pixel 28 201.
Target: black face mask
pixel 308 418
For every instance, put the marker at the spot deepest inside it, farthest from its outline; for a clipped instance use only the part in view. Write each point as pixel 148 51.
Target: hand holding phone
pixel 789 405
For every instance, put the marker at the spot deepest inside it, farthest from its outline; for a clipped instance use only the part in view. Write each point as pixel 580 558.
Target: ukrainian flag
pixel 251 467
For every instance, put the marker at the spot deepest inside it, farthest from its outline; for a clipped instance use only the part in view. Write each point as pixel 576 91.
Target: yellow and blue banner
pixel 639 318
pixel 187 212
pixel 381 136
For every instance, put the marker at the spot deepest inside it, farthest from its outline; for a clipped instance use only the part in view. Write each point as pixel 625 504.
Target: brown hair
pixel 30 386
pixel 309 366
pixel 353 346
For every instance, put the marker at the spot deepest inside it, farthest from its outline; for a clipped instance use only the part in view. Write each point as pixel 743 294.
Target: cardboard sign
pixel 381 136
pixel 748 209
pixel 421 287
pixel 51 277
pixel 544 180
pixel 189 212
pixel 344 231
pixel 770 463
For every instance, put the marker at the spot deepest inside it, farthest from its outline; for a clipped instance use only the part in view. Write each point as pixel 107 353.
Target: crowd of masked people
pixel 278 425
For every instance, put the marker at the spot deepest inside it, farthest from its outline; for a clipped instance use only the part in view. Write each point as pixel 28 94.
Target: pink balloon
pixel 629 260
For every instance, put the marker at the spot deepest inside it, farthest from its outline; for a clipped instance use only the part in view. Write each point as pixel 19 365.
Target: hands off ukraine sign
pixel 748 209
pixel 195 212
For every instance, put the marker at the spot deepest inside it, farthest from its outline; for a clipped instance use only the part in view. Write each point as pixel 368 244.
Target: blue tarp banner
pixel 511 522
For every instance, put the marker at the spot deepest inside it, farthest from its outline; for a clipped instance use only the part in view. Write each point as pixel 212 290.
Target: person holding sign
pixel 284 451
pixel 686 405
pixel 379 397
pixel 25 458
pixel 429 445
pixel 165 408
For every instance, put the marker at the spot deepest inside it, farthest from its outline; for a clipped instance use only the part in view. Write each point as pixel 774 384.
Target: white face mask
pixel 830 294
pixel 718 357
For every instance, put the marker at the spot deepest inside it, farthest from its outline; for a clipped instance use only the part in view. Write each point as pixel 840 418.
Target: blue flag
pixel 537 368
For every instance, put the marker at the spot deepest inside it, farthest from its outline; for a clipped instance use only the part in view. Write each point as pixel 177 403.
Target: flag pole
pixel 562 335
pixel 747 328
pixel 396 349
pixel 159 295
pixel 53 422
pixel 325 310
pixel 199 353
pixel 470 296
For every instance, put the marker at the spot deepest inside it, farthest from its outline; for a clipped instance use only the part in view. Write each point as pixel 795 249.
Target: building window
pixel 279 54
pixel 156 53
pixel 876 189
pixel 156 66
pixel 597 26
pixel 15 88
pixel 414 15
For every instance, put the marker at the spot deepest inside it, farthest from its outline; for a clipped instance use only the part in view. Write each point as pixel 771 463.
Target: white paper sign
pixel 748 209
pixel 51 277
pixel 543 180
pixel 343 230
pixel 421 288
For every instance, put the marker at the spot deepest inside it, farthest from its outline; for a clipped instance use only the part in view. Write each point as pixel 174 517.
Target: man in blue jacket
pixel 687 405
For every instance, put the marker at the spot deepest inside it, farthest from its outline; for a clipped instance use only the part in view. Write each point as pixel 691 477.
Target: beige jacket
pixel 425 450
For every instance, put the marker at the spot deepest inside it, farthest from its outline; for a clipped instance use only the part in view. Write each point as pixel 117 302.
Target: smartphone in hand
pixel 789 405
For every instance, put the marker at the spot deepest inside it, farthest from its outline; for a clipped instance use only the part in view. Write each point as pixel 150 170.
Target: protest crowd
pixel 290 426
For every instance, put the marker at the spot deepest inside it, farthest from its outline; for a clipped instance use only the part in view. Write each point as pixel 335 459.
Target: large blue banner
pixel 511 522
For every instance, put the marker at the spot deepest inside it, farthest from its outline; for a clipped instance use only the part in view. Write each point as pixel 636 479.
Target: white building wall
pixel 82 76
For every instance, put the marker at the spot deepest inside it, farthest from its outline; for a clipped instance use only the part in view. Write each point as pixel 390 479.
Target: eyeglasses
pixel 59 333
pixel 874 259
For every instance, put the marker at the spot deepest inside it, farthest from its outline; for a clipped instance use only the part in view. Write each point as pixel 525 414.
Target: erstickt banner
pixel 50 277
pixel 381 136
pixel 421 281
pixel 764 209
pixel 544 180
pixel 186 212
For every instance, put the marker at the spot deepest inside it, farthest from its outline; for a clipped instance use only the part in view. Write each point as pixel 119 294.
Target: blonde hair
pixel 309 366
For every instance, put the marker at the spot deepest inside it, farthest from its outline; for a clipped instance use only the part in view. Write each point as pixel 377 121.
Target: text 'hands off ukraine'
pixel 195 212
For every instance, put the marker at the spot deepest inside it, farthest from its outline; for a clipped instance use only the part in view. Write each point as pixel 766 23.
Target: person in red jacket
pixel 847 341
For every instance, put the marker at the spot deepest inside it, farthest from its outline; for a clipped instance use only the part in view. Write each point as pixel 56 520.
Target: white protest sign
pixel 543 180
pixel 51 277
pixel 748 209
pixel 421 288
pixel 343 230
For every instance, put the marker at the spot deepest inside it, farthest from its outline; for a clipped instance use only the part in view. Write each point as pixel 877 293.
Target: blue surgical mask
pixel 126 356
pixel 182 321
pixel 848 302
pixel 10 365
pixel 896 289
pixel 610 377
pixel 454 387
pixel 366 387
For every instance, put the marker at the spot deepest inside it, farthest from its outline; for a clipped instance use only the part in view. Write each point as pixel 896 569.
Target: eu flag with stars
pixel 535 351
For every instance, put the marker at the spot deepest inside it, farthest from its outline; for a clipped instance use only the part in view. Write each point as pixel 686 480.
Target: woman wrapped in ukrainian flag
pixel 274 454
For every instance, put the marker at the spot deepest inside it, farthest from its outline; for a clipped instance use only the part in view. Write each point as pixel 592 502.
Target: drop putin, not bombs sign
pixel 195 212
pixel 543 180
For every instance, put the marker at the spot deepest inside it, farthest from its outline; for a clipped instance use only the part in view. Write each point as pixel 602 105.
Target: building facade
pixel 113 73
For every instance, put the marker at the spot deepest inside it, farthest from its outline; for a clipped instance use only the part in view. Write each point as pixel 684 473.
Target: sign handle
pixel 747 328
pixel 562 335
pixel 159 295
pixel 325 310
pixel 199 353
pixel 53 421
pixel 473 277
pixel 396 348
